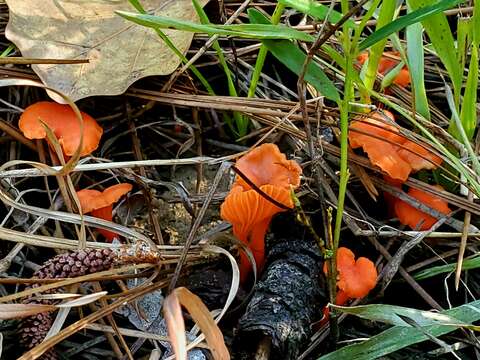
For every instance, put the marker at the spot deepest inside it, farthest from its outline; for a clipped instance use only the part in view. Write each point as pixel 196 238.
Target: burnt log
pixel 286 302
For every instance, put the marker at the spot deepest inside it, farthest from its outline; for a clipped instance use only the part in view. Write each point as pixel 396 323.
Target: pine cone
pixel 81 262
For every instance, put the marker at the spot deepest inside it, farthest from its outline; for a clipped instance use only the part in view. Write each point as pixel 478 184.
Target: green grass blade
pixel 463 30
pixel 385 17
pixel 440 34
pixel 468 114
pixel 251 31
pixel 395 315
pixel 316 10
pixel 427 11
pixel 391 75
pixel 262 53
pixel 241 122
pixel 462 135
pixel 7 51
pixel 476 22
pixel 468 264
pixel 416 68
pixel 399 337
pixel 293 58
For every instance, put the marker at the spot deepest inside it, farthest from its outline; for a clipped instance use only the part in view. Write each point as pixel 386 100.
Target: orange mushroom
pixel 100 204
pixel 416 219
pixel 65 125
pixel 355 277
pixel 418 156
pixel 248 211
pixel 397 156
pixel 386 64
pixel 368 133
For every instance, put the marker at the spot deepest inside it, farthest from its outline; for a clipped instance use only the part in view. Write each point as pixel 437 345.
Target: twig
pixel 28 61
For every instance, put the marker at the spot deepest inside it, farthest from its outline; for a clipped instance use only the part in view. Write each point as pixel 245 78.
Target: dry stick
pixel 258 190
pixel 463 243
pixel 318 176
pixel 408 278
pixel 16 135
pixel 390 270
pixel 466 225
pixel 137 151
pixel 108 335
pixel 432 260
pixel 34 172
pixel 28 61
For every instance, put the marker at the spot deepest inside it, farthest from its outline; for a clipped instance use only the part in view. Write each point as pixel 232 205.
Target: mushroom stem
pixel 342 298
pixel 257 247
pixel 257 242
pixel 105 213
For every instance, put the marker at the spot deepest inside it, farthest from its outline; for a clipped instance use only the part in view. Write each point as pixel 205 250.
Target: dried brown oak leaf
pixel 119 51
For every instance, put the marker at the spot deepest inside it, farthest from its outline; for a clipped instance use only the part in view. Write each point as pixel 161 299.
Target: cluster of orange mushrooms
pixel 250 214
pixel 65 125
pixel 249 210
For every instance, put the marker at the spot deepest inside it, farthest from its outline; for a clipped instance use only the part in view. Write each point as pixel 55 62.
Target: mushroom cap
pixel 376 123
pixel 267 165
pixel 381 153
pixel 418 156
pixel 93 199
pixel 386 64
pixel 245 209
pixel 64 124
pixel 395 160
pixel 411 216
pixel 403 78
pixel 355 278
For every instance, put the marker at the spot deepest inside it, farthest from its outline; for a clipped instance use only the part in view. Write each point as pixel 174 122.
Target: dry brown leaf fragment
pixel 200 314
pixel 17 311
pixel 119 51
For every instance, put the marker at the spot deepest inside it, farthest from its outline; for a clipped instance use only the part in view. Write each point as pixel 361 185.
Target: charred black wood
pixel 287 300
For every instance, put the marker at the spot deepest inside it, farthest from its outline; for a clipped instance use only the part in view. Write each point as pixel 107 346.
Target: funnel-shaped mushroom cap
pixel 93 199
pixel 408 215
pixel 64 124
pixel 250 214
pixel 267 165
pixel 355 278
pixel 245 209
pixel 418 157
pixel 100 204
pixel 248 211
pixel 368 133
